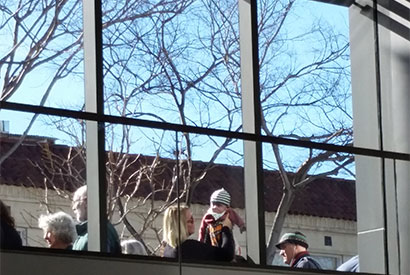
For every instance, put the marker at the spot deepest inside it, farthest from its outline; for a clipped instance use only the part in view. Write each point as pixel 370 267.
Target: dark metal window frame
pixel 255 136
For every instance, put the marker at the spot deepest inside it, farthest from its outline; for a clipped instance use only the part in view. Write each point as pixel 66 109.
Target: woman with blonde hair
pixel 179 225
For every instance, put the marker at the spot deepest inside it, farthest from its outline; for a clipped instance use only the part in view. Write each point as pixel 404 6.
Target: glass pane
pixel 312 192
pixel 142 184
pixel 41 53
pixel 305 71
pixel 158 68
pixel 211 173
pixel 38 176
pixel 380 78
pixel 334 204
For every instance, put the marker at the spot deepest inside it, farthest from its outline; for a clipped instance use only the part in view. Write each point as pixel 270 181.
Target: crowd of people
pixel 215 236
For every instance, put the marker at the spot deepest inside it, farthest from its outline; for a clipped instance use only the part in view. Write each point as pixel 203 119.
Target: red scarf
pixel 298 256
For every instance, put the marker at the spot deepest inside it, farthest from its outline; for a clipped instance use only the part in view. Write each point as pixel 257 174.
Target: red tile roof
pixel 325 197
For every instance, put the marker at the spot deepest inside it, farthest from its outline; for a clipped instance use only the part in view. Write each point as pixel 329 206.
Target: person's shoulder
pixel 10 238
pixel 111 229
pixel 81 243
pixel 351 265
pixel 308 262
pixel 231 211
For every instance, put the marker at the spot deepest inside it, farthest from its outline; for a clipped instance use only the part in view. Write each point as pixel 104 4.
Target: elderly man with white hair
pixel 79 207
pixel 59 230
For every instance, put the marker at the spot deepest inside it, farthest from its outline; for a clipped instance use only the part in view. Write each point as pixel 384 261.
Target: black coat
pixel 303 260
pixel 9 237
pixel 196 250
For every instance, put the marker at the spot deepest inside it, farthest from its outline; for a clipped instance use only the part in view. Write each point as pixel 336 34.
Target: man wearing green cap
pixel 293 249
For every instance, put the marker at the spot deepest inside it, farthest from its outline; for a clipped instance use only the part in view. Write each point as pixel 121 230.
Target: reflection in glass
pixel 43 173
pixel 141 183
pixel 177 63
pixel 211 170
pixel 312 192
pixel 149 170
pixel 41 53
pixel 39 174
pixel 305 71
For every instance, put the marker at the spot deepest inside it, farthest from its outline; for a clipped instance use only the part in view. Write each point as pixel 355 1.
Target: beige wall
pixel 28 203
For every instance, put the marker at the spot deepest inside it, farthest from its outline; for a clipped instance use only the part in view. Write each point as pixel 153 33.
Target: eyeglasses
pixel 78 200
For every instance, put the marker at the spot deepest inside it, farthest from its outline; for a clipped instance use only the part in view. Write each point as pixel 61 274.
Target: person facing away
pixel 180 218
pixel 59 230
pixel 211 224
pixel 352 265
pixel 79 208
pixel 133 247
pixel 293 249
pixel 9 237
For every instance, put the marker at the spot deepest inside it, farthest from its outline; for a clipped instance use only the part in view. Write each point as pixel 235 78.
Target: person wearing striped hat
pixel 293 249
pixel 211 224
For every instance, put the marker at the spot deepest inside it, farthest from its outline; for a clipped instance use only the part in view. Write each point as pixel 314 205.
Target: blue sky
pixel 69 93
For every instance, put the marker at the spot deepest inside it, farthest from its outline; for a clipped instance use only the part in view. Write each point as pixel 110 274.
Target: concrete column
pixel 251 119
pixel 95 153
pixel 383 185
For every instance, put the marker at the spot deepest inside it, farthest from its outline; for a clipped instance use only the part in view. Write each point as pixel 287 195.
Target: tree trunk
pixel 283 208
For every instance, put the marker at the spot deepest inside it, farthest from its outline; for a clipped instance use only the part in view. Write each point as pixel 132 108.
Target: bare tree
pixel 45 38
pixel 178 61
pixel 302 100
pixel 134 182
pixel 173 64
pixel 305 100
pixel 165 76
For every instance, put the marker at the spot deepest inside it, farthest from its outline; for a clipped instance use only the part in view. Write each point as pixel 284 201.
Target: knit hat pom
pixel 221 196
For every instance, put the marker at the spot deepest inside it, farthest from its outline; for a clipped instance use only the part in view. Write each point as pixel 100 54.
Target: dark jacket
pixel 303 260
pixel 81 243
pixel 196 250
pixel 9 237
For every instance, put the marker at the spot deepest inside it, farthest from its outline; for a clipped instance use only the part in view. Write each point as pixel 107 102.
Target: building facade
pixel 246 109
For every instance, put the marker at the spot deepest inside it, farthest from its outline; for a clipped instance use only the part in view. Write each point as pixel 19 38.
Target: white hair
pixel 60 224
pixel 81 192
pixel 133 247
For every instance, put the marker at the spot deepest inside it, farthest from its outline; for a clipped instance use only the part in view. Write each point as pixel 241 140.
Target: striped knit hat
pixel 294 238
pixel 221 196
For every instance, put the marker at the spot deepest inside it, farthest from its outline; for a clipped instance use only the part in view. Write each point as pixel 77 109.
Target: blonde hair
pixel 170 225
